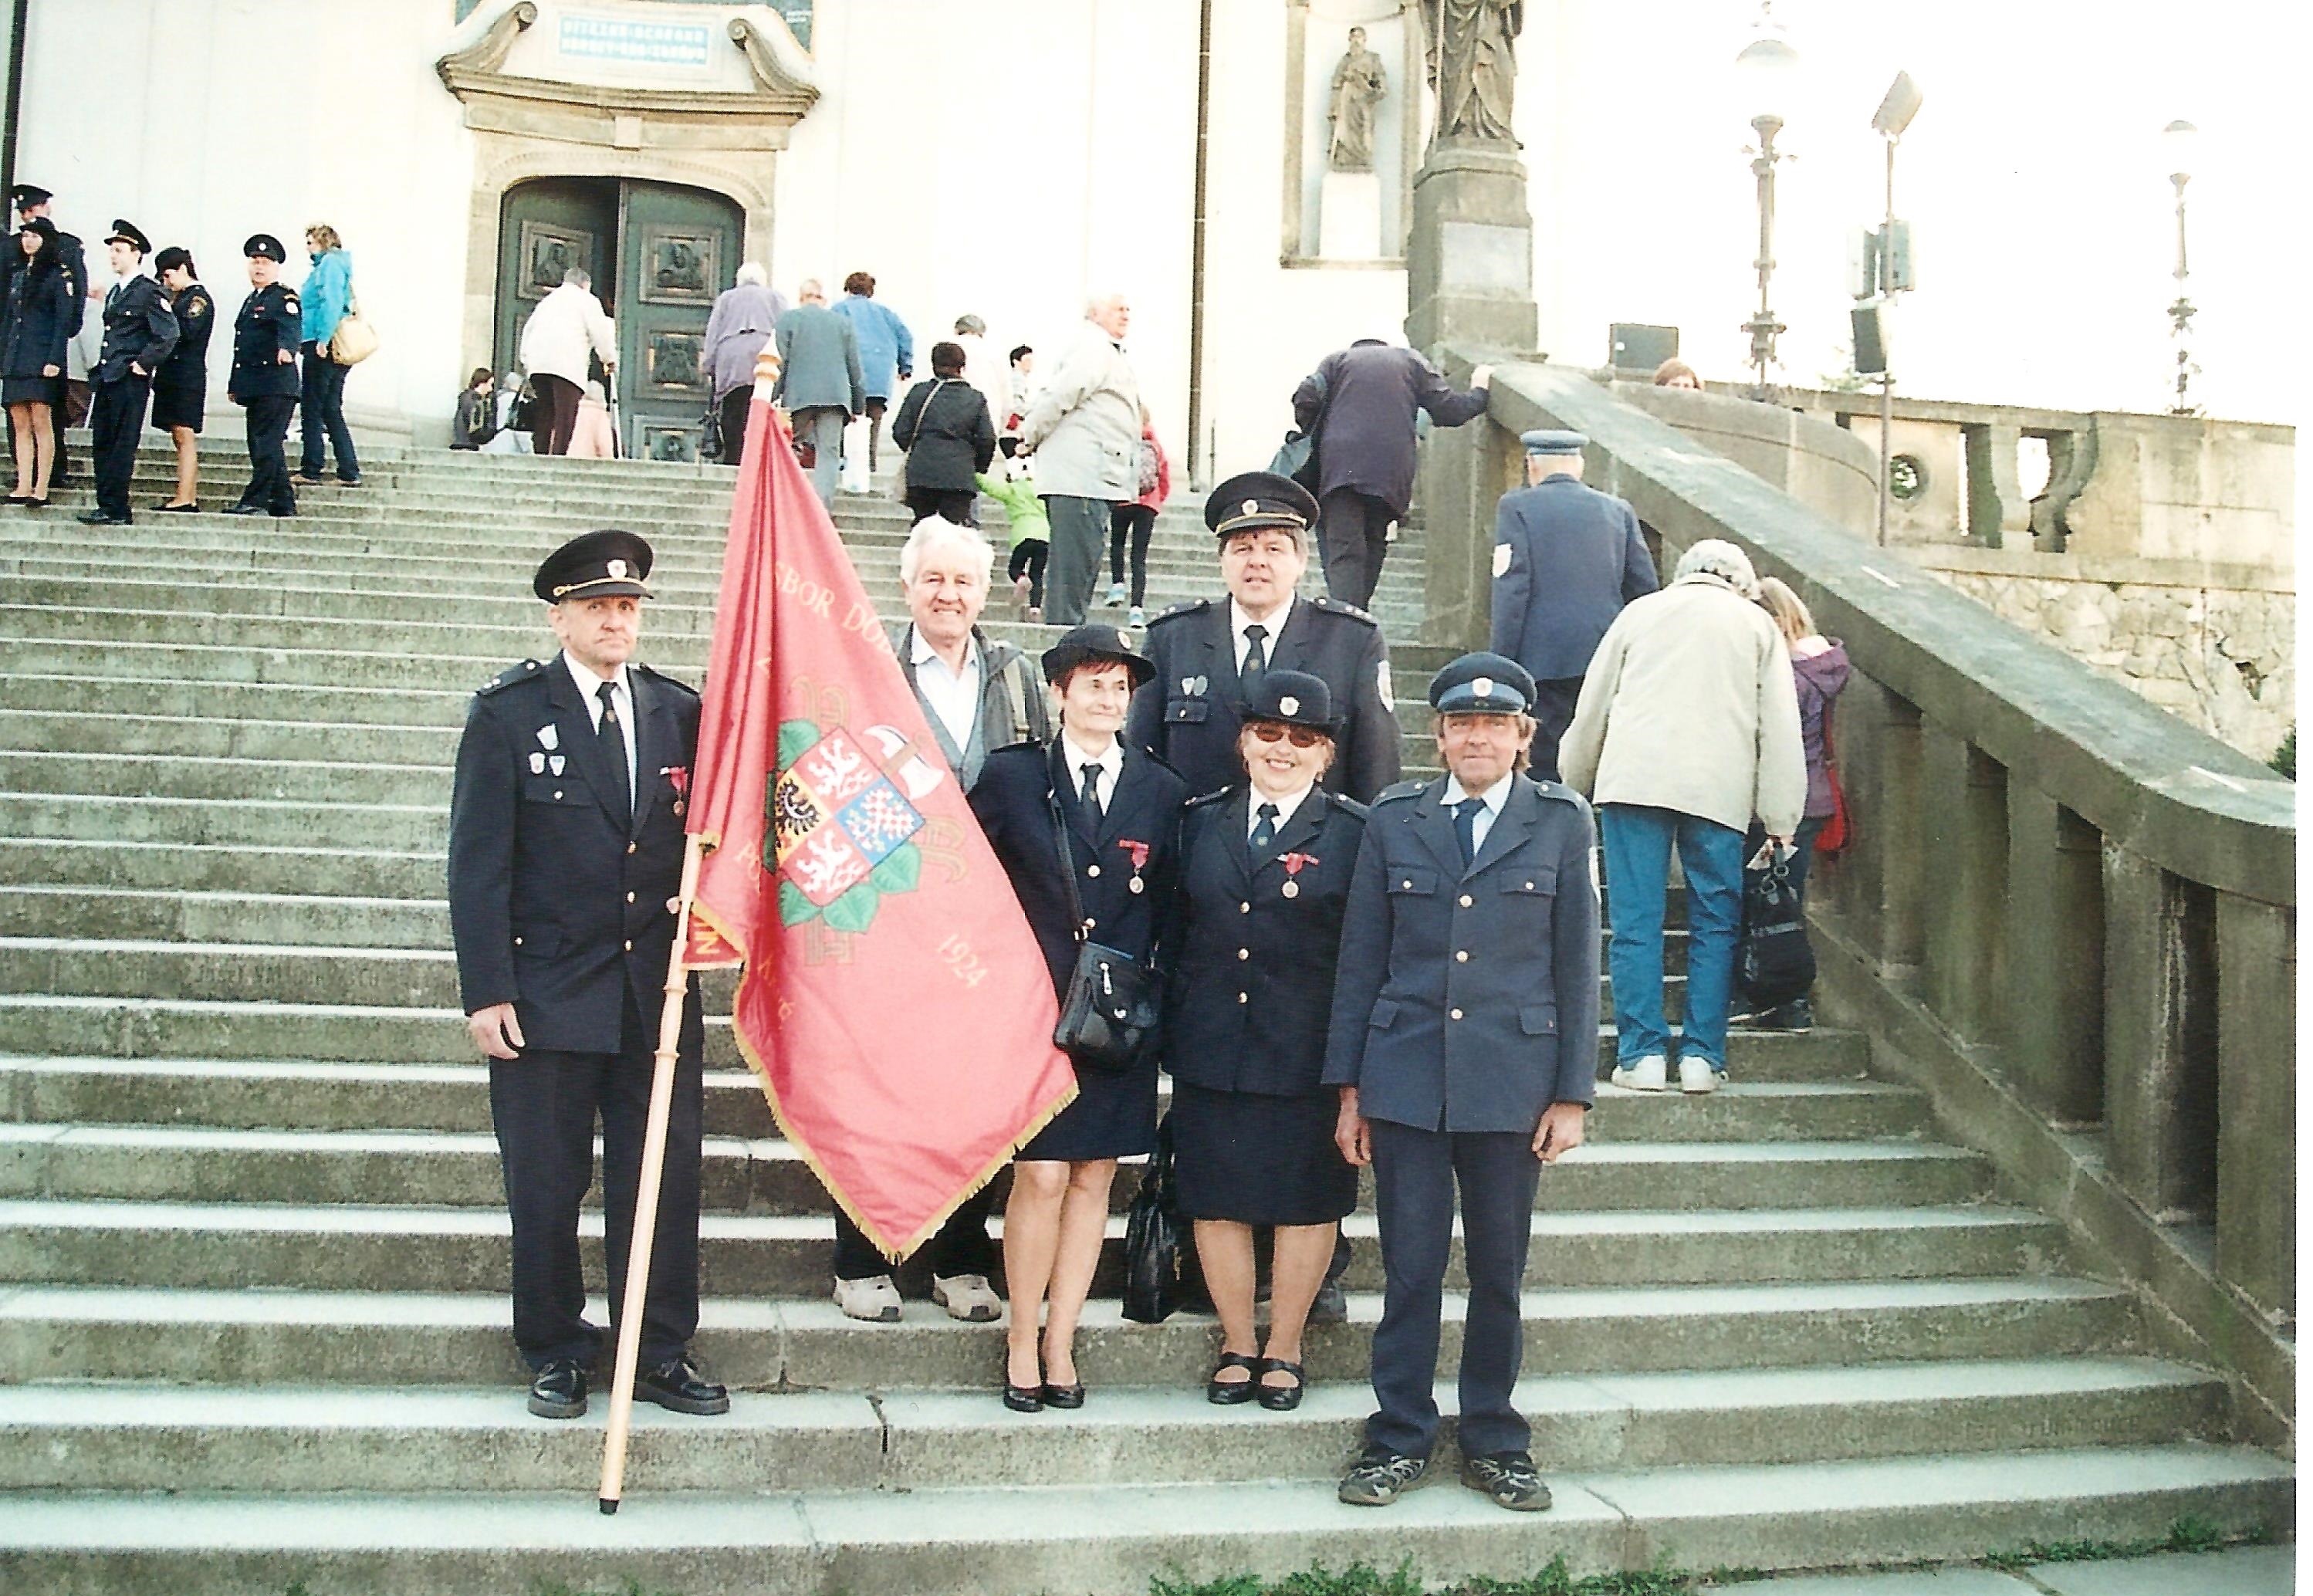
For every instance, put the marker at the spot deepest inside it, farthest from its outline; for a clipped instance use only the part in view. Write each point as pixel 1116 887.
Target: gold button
pixel 1091 870
pixel 1407 884
pixel 1452 1013
pixel 517 942
pixel 630 897
pixel 1240 997
pixel 1466 900
pixel 631 948
pixel 1244 952
pixel 1529 886
pixel 1461 957
pixel 631 847
pixel 557 792
pixel 1244 908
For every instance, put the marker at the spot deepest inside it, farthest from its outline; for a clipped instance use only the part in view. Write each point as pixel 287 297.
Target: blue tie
pixel 1264 831
pixel 1465 827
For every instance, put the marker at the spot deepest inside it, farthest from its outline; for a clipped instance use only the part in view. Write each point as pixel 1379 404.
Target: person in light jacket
pixel 327 295
pixel 820 385
pixel 743 319
pixel 569 325
pixel 1085 432
pixel 1688 724
pixel 887 352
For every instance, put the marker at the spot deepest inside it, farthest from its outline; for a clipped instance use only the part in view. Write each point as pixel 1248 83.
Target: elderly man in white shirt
pixel 979 693
pixel 569 325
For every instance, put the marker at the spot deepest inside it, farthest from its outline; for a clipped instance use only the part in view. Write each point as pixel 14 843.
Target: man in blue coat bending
pixel 1464 1040
pixel 1566 559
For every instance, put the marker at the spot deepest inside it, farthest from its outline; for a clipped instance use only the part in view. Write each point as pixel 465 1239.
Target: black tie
pixel 1465 827
pixel 1092 793
pixel 1255 661
pixel 1265 833
pixel 614 748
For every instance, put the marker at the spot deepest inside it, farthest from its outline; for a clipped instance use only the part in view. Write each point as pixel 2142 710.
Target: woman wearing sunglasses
pixel 1265 869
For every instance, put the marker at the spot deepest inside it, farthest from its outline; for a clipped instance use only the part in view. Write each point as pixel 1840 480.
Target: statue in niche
pixel 1472 68
pixel 1360 84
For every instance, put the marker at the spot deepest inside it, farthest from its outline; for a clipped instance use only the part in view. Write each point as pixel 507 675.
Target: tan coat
pixel 1689 705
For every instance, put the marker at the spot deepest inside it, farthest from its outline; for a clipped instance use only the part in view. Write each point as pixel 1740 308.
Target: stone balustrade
pixel 2070 916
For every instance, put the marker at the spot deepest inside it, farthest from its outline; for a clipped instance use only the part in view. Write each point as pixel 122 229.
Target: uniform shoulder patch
pixel 1560 793
pixel 1350 804
pixel 1397 792
pixel 1189 607
pixel 197 305
pixel 1206 799
pixel 288 301
pixel 527 671
pixel 1335 607
pixel 675 682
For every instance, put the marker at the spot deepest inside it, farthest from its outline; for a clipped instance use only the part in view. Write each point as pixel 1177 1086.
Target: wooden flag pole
pixel 645 1218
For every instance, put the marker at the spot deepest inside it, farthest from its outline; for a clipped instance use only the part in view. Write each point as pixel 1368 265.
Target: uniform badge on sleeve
pixel 1501 558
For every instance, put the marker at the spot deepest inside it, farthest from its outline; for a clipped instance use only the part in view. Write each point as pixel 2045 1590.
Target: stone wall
pixel 2214 644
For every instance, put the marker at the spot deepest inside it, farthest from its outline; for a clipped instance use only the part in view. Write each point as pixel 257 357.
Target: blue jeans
pixel 322 408
pixel 1638 844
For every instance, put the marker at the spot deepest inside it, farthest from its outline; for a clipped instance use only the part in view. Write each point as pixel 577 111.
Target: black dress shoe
pixel 17 498
pixel 104 518
pixel 1282 1399
pixel 679 1388
pixel 1228 1394
pixel 246 510
pixel 559 1391
pixel 193 509
pixel 1330 1307
pixel 1064 1396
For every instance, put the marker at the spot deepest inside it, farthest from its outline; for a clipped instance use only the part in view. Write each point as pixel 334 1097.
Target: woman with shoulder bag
pixel 1265 869
pixel 1085 828
pixel 326 297
pixel 945 427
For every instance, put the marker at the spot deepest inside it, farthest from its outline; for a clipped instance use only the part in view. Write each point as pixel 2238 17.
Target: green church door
pixel 658 254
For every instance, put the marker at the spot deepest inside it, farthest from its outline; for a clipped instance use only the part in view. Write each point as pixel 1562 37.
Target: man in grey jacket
pixel 744 318
pixel 1085 431
pixel 820 385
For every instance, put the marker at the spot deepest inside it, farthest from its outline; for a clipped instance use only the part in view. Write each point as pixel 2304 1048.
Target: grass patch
pixel 2188 1534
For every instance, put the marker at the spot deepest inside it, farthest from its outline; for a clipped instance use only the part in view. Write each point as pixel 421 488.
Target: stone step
pixel 304 1336
pixel 40 861
pixel 183 1028
pixel 259 1438
pixel 238 822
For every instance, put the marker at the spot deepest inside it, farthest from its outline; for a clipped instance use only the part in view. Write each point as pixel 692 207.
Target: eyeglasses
pixel 1301 736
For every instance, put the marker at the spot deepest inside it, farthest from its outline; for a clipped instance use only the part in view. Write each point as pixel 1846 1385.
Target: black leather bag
pixel 1158 1272
pixel 1775 962
pixel 1110 1008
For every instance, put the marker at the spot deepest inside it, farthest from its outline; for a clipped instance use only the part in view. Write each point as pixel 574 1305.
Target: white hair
pixel 1716 557
pixel 933 529
pixel 1101 302
pixel 810 288
pixel 753 276
pixel 578 277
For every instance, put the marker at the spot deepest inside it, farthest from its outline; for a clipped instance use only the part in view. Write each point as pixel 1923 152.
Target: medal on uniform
pixel 1293 864
pixel 548 737
pixel 537 763
pixel 556 763
pixel 1139 851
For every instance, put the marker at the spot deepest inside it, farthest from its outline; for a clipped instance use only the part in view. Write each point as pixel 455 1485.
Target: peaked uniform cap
pixel 1092 644
pixel 1252 500
pixel 605 565
pixel 1293 698
pixel 1546 441
pixel 265 245
pixel 130 233
pixel 1482 683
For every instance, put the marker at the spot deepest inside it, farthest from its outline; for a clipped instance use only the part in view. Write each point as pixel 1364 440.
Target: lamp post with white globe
pixel 1764 68
pixel 2178 143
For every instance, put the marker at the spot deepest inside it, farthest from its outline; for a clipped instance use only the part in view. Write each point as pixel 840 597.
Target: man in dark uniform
pixel 265 382
pixel 1566 559
pixel 30 200
pixel 140 332
pixel 1210 654
pixel 1473 905
pixel 180 387
pixel 566 852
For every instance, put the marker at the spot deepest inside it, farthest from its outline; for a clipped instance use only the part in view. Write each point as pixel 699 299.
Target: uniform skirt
pixel 174 408
pixel 1115 1115
pixel 1259 1159
pixel 32 390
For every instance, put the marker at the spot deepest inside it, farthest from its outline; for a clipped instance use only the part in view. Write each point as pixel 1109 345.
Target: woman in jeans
pixel 327 295
pixel 1133 521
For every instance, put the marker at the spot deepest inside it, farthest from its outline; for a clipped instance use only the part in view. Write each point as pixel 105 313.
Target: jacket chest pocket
pixel 1529 882
pixel 1407 881
pixel 1187 711
pixel 561 790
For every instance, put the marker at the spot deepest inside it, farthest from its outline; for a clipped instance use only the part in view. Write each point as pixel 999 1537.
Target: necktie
pixel 1091 794
pixel 1465 827
pixel 1265 833
pixel 1256 660
pixel 613 742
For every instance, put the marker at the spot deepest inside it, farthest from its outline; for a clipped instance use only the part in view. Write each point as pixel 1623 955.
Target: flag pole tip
pixel 609 1504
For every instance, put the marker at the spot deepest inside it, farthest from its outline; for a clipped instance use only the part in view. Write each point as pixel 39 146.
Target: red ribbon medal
pixel 1139 851
pixel 1293 864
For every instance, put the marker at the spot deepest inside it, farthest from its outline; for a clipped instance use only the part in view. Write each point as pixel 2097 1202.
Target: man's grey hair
pixel 577 276
pixel 1099 303
pixel 971 325
pixel 810 288
pixel 753 276
pixel 933 530
pixel 1716 557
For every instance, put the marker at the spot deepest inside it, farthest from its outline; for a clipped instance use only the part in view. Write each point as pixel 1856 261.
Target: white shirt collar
pixel 1239 620
pixel 1286 806
pixel 1493 797
pixel 589 684
pixel 921 653
pixel 1110 764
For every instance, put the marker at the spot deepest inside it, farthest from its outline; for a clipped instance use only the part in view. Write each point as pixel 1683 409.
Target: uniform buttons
pixel 1091 870
pixel 1529 886
pixel 558 794
pixel 1452 1013
pixel 1240 997
pixel 517 942
pixel 1244 908
pixel 1090 923
pixel 1244 952
pixel 631 948
pixel 1407 884
pixel 630 897
pixel 1466 900
pixel 1462 956
pixel 630 846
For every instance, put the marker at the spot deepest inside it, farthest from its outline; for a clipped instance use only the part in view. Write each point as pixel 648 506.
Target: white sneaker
pixel 875 1299
pixel 1650 1074
pixel 967 1297
pixel 1116 595
pixel 1137 618
pixel 1020 591
pixel 1696 1076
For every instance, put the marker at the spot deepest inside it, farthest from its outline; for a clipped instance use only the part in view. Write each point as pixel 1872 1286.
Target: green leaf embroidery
pixel 900 871
pixel 796 739
pixel 854 911
pixel 795 908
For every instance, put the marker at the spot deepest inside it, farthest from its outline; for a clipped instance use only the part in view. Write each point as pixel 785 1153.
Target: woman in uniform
pixel 1118 815
pixel 180 387
pixel 1265 869
pixel 35 327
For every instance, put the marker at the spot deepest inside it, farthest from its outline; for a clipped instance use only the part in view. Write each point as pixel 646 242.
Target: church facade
pixel 1241 169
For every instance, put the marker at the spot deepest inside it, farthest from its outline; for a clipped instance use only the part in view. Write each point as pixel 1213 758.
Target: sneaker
pixel 1507 1479
pixel 1696 1077
pixel 1115 594
pixel 1650 1074
pixel 967 1297
pixel 875 1299
pixel 1036 612
pixel 1377 1477
pixel 1136 618
pixel 1021 590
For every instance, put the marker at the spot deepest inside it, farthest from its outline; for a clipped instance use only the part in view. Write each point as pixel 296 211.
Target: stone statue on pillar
pixel 1473 68
pixel 1360 84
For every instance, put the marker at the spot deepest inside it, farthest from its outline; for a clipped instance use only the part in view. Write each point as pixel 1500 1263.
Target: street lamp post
pixel 1764 68
pixel 2177 142
pixel 1897 109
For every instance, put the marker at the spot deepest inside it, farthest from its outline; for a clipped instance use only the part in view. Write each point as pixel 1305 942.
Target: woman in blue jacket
pixel 327 295
pixel 35 324
pixel 887 354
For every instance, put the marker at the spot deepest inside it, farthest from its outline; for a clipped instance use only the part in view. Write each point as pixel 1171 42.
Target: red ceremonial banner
pixel 894 1002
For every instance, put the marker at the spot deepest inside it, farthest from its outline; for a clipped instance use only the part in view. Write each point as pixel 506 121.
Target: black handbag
pixel 1158 1276
pixel 710 432
pixel 1110 1004
pixel 1296 457
pixel 1775 963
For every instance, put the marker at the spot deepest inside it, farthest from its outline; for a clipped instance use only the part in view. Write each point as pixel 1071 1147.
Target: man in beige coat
pixel 1085 431
pixel 1687 726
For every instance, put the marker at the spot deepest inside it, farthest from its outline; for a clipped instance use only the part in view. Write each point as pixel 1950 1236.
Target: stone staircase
pixel 252 1247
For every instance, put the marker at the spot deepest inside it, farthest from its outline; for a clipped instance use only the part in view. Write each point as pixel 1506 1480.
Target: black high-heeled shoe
pixel 1281 1399
pixel 1022 1398
pixel 41 503
pixel 17 498
pixel 1064 1396
pixel 1228 1394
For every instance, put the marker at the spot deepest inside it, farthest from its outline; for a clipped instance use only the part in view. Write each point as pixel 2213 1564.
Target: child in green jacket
pixel 1031 530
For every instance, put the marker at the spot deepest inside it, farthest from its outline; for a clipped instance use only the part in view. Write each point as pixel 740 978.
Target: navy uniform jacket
pixel 36 322
pixel 1467 1000
pixel 1252 985
pixel 268 323
pixel 187 366
pixel 1188 714
pixel 1566 559
pixel 71 256
pixel 556 906
pixel 1013 803
pixel 139 329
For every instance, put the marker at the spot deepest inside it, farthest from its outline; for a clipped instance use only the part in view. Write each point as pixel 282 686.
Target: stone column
pixel 2160 1036
pixel 2055 987
pixel 1470 253
pixel 2257 1101
pixel 1964 836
